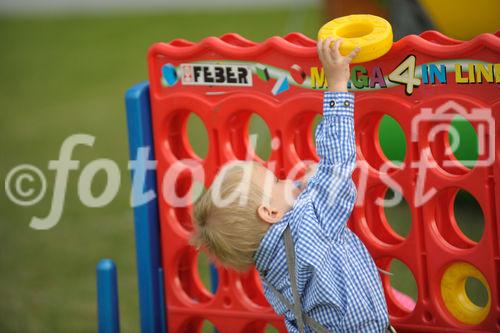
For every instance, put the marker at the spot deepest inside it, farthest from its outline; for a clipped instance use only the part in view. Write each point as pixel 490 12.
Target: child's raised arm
pixel 332 188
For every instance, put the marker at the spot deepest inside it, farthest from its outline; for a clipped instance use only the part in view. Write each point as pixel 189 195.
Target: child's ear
pixel 268 214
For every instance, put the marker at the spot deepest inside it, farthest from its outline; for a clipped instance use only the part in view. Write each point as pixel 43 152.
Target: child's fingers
pixel 334 51
pixel 324 50
pixel 353 54
pixel 320 50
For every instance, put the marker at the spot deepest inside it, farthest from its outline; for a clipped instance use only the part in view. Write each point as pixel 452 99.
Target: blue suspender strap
pixel 296 308
pixel 290 258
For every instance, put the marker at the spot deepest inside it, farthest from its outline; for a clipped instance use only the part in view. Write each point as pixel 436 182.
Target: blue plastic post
pixel 107 297
pixel 146 220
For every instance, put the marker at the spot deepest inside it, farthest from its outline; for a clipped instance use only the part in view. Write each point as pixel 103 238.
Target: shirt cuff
pixel 338 104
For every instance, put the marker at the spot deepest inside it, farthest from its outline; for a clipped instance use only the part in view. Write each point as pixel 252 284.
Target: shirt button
pixel 332 104
pixel 346 103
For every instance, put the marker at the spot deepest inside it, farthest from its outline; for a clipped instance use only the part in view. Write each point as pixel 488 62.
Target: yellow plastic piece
pixel 455 297
pixel 371 33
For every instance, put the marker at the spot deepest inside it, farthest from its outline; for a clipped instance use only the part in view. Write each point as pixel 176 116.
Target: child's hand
pixel 335 65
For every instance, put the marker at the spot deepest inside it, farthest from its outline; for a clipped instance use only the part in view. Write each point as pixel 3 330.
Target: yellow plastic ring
pixel 371 33
pixel 455 297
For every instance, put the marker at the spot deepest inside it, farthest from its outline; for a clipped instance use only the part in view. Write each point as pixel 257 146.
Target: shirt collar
pixel 265 253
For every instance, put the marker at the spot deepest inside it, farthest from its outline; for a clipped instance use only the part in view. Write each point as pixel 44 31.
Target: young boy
pixel 314 270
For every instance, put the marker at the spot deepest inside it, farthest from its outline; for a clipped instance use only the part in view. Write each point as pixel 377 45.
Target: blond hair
pixel 227 226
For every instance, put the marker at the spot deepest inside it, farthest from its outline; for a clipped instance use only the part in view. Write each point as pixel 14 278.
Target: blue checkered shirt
pixel 336 277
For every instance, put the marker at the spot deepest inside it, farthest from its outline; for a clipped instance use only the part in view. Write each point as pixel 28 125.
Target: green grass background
pixel 65 75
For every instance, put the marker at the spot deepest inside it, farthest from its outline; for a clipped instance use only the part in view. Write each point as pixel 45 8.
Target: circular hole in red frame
pixel 376 144
pixel 392 140
pixel 453 143
pixel 197 135
pixel 378 221
pixel 270 329
pixel 397 212
pixel 184 213
pixel 249 136
pixel 207 327
pixel 469 215
pixel 186 135
pixel 259 137
pixel 304 135
pixel 207 272
pixel 467 150
pixel 446 211
pixel 400 287
pixel 189 278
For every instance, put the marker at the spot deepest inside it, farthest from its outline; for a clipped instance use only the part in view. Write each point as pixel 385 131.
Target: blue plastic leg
pixel 107 297
pixel 146 220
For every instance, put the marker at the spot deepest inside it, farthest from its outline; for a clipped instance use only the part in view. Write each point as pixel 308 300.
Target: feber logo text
pixel 216 75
